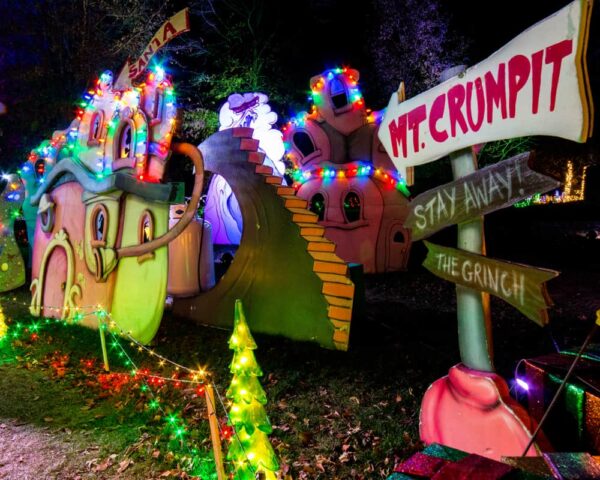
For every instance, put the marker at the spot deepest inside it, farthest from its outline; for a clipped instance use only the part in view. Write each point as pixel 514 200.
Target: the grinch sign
pixel 536 85
pixel 522 286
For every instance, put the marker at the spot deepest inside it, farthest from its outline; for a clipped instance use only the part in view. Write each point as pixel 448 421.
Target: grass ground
pixel 336 415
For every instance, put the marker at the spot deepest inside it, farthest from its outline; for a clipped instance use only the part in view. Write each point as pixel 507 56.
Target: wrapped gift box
pixel 574 422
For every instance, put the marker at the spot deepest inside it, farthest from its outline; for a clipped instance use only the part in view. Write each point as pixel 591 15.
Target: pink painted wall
pixel 70 216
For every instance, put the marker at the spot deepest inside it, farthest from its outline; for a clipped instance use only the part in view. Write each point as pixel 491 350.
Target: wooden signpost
pixel 489 189
pixel 520 285
pixel 174 26
pixel 535 85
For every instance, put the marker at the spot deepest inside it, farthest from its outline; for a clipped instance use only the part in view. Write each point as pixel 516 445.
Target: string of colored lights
pixel 225 433
pixel 176 423
pixel 147 378
pixel 301 176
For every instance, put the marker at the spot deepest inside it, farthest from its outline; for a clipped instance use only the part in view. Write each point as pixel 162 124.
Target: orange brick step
pixel 340 313
pixel 327 257
pixel 311 229
pixel 339 268
pixel 256 157
pixel 263 169
pixel 285 190
pixel 319 244
pixel 341 336
pixel 338 289
pixel 301 215
pixel 291 201
pixel 340 324
pixel 273 179
pixel 339 301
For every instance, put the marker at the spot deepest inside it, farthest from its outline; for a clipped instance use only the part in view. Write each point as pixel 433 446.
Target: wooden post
pixel 474 320
pixel 214 430
pixel 101 326
pixel 410 171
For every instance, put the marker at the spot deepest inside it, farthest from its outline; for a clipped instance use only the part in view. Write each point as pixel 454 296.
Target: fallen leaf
pixel 48 419
pixel 124 465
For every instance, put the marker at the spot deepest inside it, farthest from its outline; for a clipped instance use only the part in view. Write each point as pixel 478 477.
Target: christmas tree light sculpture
pixel 250 451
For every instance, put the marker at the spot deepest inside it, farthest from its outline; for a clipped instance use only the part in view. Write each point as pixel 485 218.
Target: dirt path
pixel 30 452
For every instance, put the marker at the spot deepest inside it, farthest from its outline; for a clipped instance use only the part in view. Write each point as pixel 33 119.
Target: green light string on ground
pixel 174 422
pixel 154 403
pixel 195 373
pixel 198 376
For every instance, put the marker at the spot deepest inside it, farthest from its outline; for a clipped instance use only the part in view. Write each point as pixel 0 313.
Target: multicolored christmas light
pixel 351 170
pixel 250 449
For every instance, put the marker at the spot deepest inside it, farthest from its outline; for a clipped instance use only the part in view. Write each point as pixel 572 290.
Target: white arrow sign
pixel 535 85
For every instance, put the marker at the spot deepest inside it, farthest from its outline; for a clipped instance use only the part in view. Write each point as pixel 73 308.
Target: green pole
pixel 473 332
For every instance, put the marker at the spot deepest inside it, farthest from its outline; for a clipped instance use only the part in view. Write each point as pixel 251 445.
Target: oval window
pixel 337 90
pixel 125 141
pixel 99 224
pixel 352 207
pixel 146 232
pixel 47 219
pixel 317 205
pixel 96 126
pixel 158 105
pixel 304 143
pixel 398 237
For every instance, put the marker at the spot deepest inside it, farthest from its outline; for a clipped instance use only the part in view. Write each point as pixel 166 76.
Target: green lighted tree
pixel 250 450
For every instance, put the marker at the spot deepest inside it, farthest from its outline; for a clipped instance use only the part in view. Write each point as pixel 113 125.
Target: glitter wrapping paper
pixel 574 423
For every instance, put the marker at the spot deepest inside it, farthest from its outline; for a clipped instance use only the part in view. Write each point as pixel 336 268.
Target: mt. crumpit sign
pixel 536 85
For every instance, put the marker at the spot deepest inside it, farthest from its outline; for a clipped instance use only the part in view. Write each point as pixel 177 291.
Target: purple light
pixel 523 384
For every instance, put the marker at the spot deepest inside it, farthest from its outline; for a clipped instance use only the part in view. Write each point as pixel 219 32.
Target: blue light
pixel 523 384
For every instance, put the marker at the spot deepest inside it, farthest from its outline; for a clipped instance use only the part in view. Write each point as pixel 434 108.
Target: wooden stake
pixel 214 430
pixel 103 344
pixel 410 171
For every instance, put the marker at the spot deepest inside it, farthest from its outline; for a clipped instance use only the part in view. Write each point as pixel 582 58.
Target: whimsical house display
pixel 536 85
pixel 12 267
pixel 33 174
pixel 249 110
pixel 346 176
pixel 102 211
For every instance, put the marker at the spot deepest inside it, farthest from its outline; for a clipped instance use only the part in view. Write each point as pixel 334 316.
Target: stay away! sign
pixel 536 85
pixel 484 191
